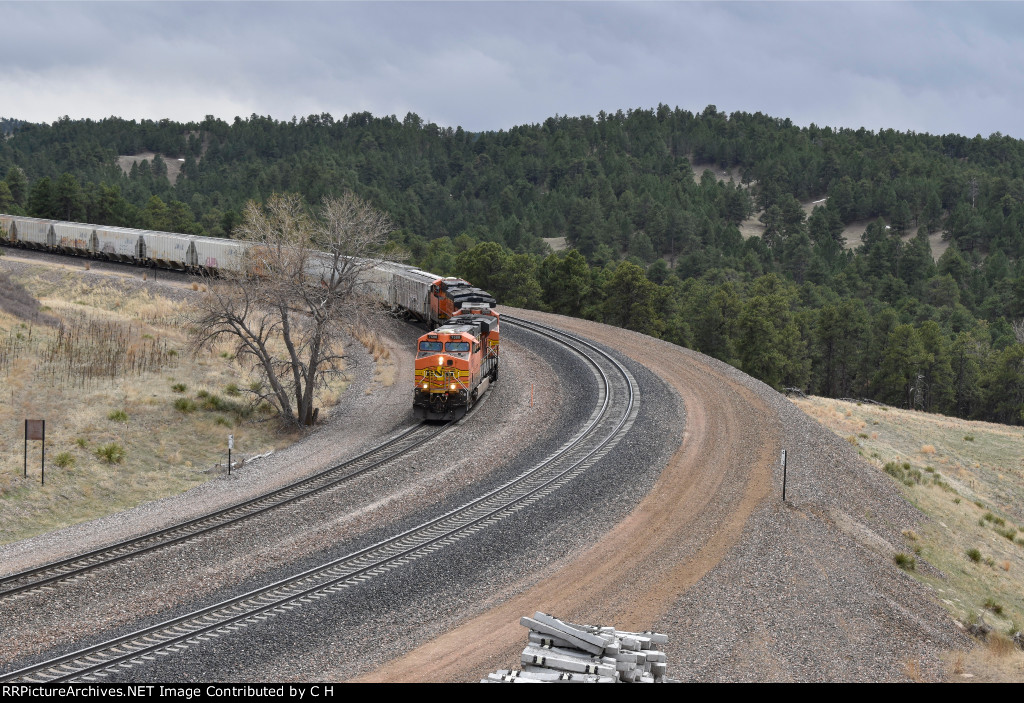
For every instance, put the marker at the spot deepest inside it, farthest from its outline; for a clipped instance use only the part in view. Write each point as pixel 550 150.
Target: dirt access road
pixel 748 588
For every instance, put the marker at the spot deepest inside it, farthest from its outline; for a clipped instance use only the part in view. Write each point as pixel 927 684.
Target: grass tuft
pixel 990 604
pixel 112 453
pixel 905 561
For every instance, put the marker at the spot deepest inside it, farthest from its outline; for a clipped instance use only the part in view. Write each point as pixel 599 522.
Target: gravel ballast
pixel 680 529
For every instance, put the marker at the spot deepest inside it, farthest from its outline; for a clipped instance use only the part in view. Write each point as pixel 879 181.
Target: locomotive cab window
pixel 456 347
pixel 430 346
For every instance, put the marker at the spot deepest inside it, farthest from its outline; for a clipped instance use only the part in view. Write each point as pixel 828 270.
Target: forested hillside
pixel 654 246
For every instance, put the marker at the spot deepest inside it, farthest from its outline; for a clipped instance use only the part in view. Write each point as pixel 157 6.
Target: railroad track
pixel 611 419
pixel 77 566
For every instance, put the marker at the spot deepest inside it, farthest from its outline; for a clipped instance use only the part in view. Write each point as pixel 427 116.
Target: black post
pixel 229 460
pixel 42 459
pixel 26 449
pixel 783 475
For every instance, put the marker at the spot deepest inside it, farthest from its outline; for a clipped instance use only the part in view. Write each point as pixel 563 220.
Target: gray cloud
pixel 929 67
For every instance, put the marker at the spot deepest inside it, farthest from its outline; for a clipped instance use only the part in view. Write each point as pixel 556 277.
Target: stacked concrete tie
pixel 561 652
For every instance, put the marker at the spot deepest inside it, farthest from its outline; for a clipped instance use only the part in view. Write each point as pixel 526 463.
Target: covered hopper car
pixel 455 362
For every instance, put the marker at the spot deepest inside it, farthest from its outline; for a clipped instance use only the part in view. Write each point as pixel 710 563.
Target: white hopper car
pixel 424 295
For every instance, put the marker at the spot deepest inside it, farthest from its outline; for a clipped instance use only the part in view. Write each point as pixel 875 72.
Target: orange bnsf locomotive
pixel 456 363
pixel 449 295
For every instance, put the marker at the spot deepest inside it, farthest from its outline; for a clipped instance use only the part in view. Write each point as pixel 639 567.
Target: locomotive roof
pixel 457 328
pixel 474 318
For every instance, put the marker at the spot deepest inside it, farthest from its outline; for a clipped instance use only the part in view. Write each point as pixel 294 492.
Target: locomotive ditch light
pixel 452 386
pixel 425 386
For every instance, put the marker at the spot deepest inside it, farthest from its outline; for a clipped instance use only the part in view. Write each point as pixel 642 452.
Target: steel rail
pixel 77 565
pixel 572 458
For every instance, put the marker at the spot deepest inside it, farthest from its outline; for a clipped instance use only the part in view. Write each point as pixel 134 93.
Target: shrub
pixel 969 438
pixel 903 473
pixel 184 405
pixel 117 416
pixel 927 449
pixel 974 554
pixel 202 394
pixel 112 453
pixel 215 403
pixel 232 389
pixel 905 561
pixel 221 420
pixel 64 460
pixel 1009 533
pixel 179 388
pixel 81 442
pixel 990 604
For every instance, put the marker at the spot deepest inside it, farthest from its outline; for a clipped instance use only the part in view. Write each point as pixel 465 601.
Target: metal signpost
pixel 783 475
pixel 231 445
pixel 36 430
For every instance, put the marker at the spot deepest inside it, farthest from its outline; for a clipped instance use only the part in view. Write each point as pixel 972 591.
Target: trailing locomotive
pixel 456 363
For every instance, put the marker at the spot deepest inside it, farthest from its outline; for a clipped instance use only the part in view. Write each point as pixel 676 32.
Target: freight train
pixel 464 327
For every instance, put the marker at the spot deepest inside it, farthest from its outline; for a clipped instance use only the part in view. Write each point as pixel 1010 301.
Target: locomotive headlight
pixel 452 386
pixel 440 361
pixel 425 386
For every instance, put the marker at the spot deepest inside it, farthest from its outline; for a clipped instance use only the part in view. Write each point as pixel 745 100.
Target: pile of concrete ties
pixel 561 652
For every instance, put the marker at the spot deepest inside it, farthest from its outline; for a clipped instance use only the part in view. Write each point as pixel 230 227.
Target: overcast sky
pixel 933 67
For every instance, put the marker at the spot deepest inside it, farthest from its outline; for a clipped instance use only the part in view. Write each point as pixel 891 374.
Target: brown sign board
pixel 35 429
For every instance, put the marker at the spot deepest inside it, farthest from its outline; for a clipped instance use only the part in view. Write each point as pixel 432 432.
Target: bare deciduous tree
pixel 1018 330
pixel 301 283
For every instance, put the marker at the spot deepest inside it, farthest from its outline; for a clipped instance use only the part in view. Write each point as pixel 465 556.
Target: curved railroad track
pixel 612 417
pixel 77 566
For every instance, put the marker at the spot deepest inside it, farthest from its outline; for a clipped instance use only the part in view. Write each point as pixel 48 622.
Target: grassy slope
pixel 166 451
pixel 968 478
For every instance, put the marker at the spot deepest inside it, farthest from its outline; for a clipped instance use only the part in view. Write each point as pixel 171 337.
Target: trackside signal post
pixel 36 430
pixel 783 475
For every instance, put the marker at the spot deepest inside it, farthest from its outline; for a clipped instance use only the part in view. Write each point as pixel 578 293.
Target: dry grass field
pixel 968 478
pixel 130 415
